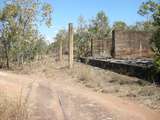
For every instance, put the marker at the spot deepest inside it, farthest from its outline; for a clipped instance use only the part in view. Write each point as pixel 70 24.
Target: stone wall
pixel 131 44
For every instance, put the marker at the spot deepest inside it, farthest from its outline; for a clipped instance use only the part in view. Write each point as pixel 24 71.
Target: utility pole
pixel 70 37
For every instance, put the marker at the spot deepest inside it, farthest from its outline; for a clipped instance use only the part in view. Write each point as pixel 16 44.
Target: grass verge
pixel 13 108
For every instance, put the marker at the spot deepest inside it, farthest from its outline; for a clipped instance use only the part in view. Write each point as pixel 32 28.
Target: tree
pixel 19 19
pixel 120 25
pixel 143 26
pixel 99 26
pixel 9 28
pixel 82 40
pixel 40 47
pixel 61 36
pixel 151 8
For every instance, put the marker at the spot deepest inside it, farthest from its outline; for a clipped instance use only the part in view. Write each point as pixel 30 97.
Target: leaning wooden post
pixel 70 37
pixel 60 50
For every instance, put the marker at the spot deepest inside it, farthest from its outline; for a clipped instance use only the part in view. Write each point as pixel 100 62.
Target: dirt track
pixel 60 98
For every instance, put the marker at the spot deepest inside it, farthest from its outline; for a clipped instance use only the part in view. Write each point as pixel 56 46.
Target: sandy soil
pixel 56 95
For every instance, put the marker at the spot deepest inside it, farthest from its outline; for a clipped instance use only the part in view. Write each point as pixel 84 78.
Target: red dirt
pixel 61 98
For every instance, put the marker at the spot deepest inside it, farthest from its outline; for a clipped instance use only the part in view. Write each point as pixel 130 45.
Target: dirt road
pixel 60 98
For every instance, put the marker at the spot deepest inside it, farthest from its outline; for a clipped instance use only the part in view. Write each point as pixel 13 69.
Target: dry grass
pixel 102 81
pixel 123 86
pixel 13 108
pixel 85 74
pixel 34 66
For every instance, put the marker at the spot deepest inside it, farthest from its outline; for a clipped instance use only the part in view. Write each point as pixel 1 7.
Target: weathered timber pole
pixel 113 52
pixel 60 50
pixel 70 37
pixel 92 47
pixel 140 48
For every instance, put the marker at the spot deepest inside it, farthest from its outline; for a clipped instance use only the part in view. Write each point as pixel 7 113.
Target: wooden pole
pixel 60 50
pixel 92 47
pixel 70 31
pixel 113 53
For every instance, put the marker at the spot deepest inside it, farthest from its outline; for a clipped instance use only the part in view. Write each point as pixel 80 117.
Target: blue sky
pixel 66 11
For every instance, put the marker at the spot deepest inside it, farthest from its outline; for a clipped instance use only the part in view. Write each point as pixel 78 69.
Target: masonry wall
pixel 131 44
pixel 102 48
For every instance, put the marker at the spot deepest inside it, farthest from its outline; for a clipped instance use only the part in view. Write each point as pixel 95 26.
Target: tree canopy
pixel 99 26
pixel 120 25
pixel 151 8
pixel 19 33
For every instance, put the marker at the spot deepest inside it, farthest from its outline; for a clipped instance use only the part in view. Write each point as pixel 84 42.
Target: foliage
pixel 61 36
pixel 152 9
pixel 149 8
pixel 156 42
pixel 82 38
pixel 99 26
pixel 19 35
pixel 143 26
pixel 120 25
pixel 96 29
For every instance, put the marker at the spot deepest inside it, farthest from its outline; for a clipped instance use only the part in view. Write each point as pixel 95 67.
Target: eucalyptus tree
pixel 9 29
pixel 120 25
pixel 151 8
pixel 82 38
pixel 40 47
pixel 61 38
pixel 19 20
pixel 142 26
pixel 99 26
